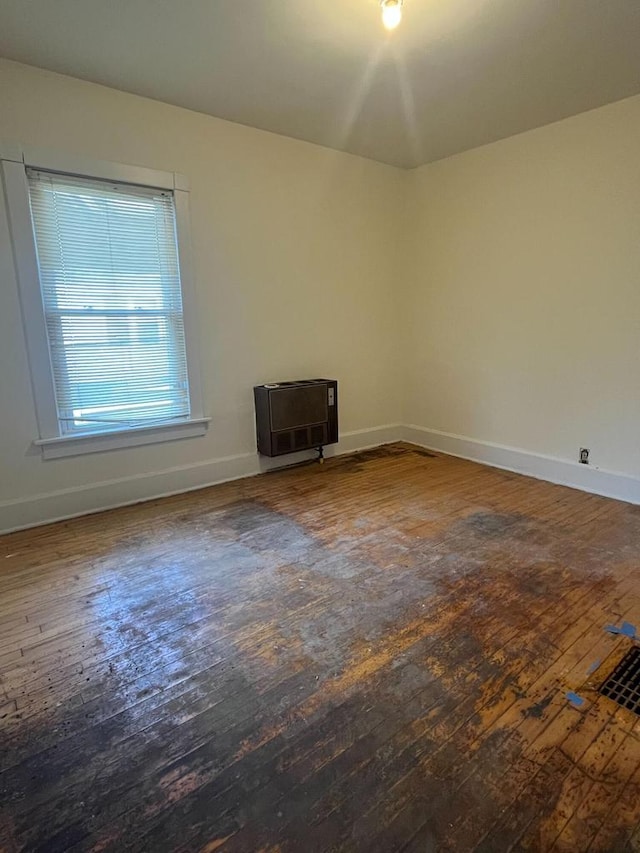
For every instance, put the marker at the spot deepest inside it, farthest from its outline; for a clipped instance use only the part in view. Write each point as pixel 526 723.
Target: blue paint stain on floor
pixel 594 666
pixel 576 700
pixel 626 628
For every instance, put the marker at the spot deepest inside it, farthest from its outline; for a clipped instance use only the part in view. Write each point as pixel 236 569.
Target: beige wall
pixel 294 250
pixel 522 312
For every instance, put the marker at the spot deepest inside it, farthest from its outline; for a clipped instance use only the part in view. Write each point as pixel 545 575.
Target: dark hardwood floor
pixel 370 655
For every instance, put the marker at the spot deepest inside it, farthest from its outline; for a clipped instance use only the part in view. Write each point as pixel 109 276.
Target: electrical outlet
pixel 584 455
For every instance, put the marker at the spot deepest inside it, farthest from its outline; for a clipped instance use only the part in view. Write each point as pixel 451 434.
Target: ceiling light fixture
pixel 391 13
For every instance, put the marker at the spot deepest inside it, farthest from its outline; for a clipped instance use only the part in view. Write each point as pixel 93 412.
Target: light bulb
pixel 391 13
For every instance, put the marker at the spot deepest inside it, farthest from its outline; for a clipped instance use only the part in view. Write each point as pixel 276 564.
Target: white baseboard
pixel 584 477
pixel 61 504
pixel 82 500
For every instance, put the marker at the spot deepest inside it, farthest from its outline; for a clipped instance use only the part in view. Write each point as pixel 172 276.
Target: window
pixel 110 283
pixel 106 330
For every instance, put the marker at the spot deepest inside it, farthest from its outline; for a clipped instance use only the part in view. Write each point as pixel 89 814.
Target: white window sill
pixel 76 445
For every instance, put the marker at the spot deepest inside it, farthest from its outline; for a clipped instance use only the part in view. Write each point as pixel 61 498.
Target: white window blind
pixel 109 273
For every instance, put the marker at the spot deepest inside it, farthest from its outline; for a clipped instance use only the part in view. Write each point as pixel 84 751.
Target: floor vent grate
pixel 623 685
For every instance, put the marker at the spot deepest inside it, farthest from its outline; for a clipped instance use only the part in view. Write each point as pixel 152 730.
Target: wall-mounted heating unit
pixel 294 416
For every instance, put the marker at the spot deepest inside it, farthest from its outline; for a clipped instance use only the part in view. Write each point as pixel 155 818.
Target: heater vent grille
pixel 623 685
pixel 318 434
pixel 301 438
pixel 283 442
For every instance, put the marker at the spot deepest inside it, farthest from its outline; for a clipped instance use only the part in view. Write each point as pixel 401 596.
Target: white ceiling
pixel 454 75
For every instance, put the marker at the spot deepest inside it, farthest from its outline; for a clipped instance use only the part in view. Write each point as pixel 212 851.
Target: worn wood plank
pixel 369 655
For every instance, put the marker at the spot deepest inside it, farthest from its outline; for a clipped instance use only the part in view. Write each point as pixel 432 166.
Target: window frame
pixel 14 160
